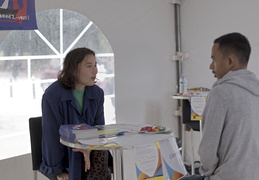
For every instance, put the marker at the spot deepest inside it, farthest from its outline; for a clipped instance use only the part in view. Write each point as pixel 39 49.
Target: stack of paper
pixel 73 132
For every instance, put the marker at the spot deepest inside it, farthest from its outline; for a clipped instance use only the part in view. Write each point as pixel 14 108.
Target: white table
pixel 181 112
pixel 127 141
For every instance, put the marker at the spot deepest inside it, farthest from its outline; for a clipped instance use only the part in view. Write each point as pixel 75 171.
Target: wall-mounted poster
pixel 17 15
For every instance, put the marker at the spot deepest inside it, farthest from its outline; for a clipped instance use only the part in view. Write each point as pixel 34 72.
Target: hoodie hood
pixel 242 78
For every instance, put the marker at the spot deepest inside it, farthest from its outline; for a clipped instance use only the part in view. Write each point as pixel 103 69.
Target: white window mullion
pixel 105 55
pixel 61 38
pixel 61 32
pixel 29 68
pixel 28 57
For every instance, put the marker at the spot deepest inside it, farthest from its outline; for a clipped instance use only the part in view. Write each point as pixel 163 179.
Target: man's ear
pixel 232 62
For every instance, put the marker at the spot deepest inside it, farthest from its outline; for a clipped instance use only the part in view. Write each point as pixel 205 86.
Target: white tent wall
pixel 141 34
pixel 203 21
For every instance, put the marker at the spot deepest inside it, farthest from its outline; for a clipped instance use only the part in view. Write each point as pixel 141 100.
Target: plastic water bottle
pixel 183 84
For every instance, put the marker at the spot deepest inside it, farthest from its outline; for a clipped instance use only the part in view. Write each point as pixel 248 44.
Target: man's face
pixel 220 62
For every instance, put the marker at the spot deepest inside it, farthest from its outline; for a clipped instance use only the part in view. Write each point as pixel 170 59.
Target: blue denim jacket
pixel 59 107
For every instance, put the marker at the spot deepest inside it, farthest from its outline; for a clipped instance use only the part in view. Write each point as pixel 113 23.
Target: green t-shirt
pixel 79 97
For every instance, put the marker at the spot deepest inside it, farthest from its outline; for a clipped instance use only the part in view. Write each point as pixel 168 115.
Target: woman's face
pixel 86 73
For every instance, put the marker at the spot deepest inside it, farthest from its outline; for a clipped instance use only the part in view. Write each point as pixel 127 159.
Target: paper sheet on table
pixel 140 139
pixel 98 143
pixel 95 141
pixel 119 127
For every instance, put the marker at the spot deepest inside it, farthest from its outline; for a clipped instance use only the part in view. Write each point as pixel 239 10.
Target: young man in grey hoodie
pixel 229 149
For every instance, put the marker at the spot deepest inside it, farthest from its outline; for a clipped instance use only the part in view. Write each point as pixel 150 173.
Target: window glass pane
pixel 28 65
pixel 24 43
pixel 10 72
pixel 105 74
pixel 49 26
pixel 45 68
pixel 105 80
pixel 13 69
pixel 73 25
pixel 45 71
pixel 94 39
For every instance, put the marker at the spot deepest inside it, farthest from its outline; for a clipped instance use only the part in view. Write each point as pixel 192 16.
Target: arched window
pixel 30 61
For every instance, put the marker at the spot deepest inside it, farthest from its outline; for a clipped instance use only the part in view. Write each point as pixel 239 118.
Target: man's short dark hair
pixel 237 44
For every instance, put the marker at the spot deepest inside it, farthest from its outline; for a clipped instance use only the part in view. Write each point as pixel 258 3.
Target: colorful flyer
pixel 148 161
pixel 159 160
pixel 173 165
pixel 197 107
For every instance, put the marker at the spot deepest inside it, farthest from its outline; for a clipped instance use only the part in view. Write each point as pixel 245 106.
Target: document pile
pixel 73 132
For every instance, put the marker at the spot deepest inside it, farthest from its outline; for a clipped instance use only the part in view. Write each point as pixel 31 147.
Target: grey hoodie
pixel 229 149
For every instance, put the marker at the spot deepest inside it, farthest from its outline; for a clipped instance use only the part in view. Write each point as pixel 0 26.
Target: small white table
pixel 126 141
pixel 116 154
pixel 181 109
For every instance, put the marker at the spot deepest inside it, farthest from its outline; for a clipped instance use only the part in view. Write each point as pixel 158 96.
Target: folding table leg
pixel 117 163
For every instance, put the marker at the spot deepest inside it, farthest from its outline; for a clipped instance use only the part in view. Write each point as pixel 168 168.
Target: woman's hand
pixel 62 176
pixel 86 157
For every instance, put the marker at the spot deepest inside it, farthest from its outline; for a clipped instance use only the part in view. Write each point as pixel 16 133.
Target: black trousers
pixel 193 177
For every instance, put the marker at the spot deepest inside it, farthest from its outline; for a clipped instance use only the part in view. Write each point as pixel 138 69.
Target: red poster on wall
pixel 17 15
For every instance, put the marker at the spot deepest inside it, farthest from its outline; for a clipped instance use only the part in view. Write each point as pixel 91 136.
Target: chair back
pixel 35 135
